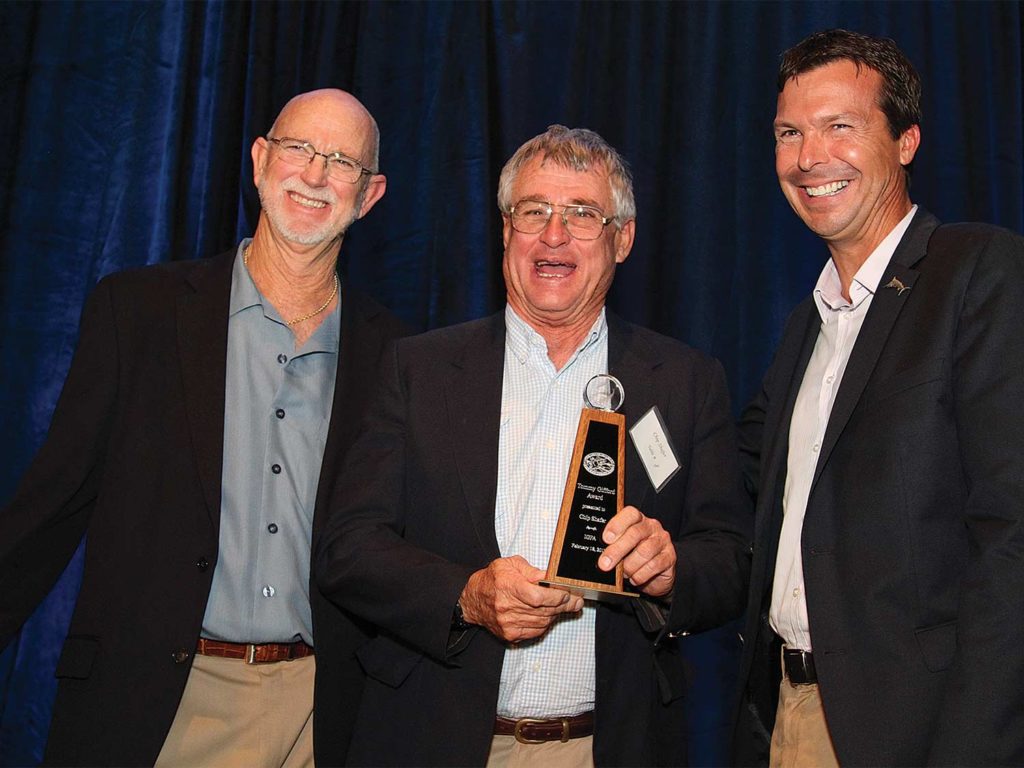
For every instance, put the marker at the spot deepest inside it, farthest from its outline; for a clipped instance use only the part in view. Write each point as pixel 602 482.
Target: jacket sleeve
pixel 713 552
pixel 44 522
pixel 362 562
pixel 750 436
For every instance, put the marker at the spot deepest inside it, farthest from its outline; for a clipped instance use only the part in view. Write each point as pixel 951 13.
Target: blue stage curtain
pixel 124 140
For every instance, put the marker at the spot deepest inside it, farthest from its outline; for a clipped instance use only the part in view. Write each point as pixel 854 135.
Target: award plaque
pixel 593 495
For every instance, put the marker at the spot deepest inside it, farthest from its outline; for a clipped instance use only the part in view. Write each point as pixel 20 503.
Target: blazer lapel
pixel 473 403
pixel 359 350
pixel 893 291
pixel 632 365
pixel 202 320
pixel 793 356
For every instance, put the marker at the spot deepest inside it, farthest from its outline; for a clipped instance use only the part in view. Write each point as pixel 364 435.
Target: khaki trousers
pixel 506 752
pixel 801 738
pixel 234 714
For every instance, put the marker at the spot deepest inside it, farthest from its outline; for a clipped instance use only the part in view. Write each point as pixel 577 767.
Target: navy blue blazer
pixel 133 459
pixel 913 540
pixel 413 517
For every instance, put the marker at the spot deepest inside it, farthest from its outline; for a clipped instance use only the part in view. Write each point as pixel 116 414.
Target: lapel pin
pixel 898 285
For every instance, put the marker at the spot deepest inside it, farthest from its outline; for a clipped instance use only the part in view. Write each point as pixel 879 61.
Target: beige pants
pixel 506 752
pixel 244 715
pixel 801 738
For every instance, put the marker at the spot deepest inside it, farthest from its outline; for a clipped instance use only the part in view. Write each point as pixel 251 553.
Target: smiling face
pixel 302 204
pixel 837 162
pixel 553 280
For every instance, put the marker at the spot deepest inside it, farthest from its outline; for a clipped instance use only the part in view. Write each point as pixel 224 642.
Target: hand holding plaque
pixel 593 495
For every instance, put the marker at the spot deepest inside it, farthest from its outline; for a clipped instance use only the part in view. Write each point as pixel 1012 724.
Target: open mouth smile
pixel 554 269
pixel 307 202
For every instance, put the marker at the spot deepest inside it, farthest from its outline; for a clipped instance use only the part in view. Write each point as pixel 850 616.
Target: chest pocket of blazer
pixel 906 379
pixel 387 660
pixel 77 657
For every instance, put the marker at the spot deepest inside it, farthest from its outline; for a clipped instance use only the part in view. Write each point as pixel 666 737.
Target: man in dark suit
pixel 886 449
pixel 443 522
pixel 206 414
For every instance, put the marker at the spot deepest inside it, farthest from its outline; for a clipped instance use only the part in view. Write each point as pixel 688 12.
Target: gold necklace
pixel 315 312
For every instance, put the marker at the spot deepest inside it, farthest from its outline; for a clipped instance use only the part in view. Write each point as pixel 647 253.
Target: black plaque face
pixel 593 505
pixel 593 496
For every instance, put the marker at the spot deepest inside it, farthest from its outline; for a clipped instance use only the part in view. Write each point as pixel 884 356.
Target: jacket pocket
pixel 938 645
pixel 387 660
pixel 908 378
pixel 77 657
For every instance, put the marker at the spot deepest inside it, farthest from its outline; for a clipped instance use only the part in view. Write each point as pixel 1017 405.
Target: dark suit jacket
pixel 414 517
pixel 133 459
pixel 913 541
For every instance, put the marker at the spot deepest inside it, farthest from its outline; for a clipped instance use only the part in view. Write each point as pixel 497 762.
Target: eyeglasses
pixel 340 167
pixel 584 222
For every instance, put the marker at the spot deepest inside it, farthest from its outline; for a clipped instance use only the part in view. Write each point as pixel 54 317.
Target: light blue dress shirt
pixel 277 410
pixel 540 412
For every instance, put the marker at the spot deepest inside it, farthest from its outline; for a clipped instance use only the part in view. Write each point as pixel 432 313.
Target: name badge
pixel 652 443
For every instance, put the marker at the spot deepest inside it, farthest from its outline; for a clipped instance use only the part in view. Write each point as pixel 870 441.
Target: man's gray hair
pixel 581 150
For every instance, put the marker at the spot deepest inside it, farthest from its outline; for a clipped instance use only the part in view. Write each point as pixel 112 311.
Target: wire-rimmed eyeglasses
pixel 340 167
pixel 584 222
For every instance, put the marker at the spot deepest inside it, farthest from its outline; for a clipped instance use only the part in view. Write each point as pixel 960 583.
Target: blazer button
pixel 202 564
pixel 180 656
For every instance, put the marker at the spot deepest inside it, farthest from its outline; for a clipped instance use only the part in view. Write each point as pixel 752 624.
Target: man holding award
pixel 495 449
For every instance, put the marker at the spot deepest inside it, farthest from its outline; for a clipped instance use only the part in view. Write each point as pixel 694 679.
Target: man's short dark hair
pixel 900 95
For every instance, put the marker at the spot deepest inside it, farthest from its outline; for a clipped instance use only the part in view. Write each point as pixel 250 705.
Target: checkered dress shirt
pixel 540 410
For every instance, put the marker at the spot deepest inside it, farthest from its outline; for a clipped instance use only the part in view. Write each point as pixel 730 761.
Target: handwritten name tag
pixel 653 445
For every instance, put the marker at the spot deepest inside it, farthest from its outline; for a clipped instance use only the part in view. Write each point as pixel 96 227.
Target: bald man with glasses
pixel 204 420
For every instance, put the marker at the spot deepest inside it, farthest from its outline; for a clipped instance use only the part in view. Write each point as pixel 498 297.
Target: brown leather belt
pixel 251 653
pixel 531 730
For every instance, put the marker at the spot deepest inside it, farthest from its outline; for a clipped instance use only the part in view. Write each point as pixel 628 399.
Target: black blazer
pixel 414 516
pixel 913 541
pixel 133 459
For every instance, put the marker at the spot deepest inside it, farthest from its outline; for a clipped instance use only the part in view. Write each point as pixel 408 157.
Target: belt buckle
pixel 250 653
pixel 518 730
pixel 803 665
pixel 799 662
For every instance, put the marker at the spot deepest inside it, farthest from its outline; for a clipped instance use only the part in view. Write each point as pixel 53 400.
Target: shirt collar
pixel 828 291
pixel 520 337
pixel 245 294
